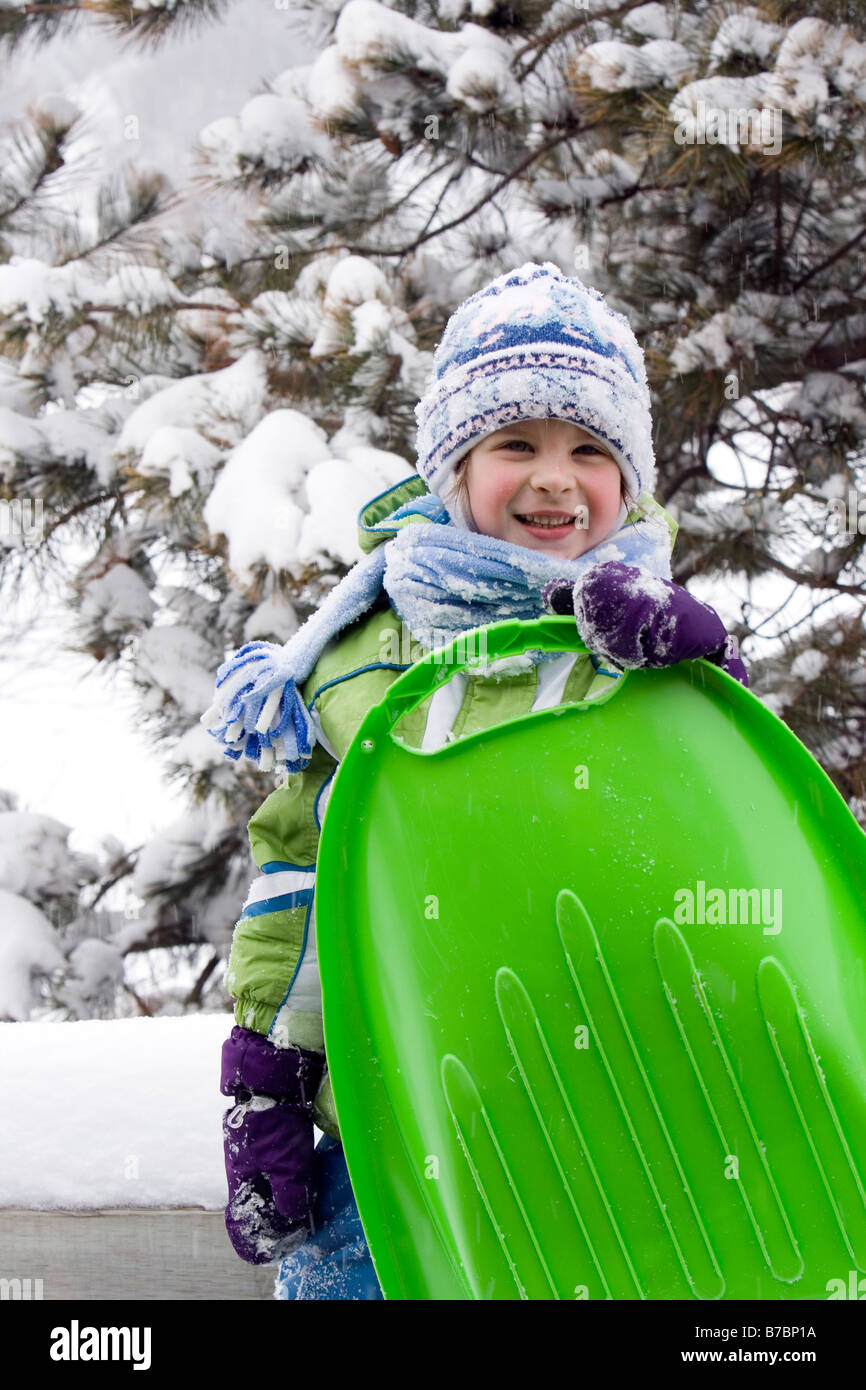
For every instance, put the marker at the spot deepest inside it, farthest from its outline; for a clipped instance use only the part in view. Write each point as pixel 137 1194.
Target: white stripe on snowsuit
pixel 279 884
pixel 552 680
pixel 305 996
pixel 445 703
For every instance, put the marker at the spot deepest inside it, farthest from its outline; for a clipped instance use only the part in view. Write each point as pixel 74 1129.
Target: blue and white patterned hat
pixel 534 344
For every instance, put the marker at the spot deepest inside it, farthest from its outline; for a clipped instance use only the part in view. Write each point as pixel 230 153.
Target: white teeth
pixel 546 520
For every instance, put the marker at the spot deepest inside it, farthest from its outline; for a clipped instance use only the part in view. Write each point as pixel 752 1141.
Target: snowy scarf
pixel 442 581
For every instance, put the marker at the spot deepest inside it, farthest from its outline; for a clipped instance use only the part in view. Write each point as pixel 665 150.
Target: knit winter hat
pixel 534 344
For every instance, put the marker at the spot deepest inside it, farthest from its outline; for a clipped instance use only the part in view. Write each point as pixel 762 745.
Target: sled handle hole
pixel 477 648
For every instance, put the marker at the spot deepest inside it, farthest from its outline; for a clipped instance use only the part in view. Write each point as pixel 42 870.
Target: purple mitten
pixel 635 619
pixel 268 1144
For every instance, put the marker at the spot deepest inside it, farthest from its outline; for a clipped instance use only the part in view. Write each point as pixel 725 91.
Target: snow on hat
pixel 534 344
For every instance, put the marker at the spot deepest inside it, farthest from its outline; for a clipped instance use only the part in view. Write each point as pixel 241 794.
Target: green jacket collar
pixel 372 526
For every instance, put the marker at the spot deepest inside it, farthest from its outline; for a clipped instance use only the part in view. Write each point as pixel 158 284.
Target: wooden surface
pixel 127 1253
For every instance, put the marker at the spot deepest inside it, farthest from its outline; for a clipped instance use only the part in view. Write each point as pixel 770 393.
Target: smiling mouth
pixel 553 522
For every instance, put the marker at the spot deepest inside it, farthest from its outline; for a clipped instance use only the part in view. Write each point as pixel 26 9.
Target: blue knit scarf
pixel 442 581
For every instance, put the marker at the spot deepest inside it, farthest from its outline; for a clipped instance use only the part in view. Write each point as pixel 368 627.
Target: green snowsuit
pixel 273 972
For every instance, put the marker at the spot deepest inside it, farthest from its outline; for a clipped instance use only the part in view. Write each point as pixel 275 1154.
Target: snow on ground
pixel 118 1113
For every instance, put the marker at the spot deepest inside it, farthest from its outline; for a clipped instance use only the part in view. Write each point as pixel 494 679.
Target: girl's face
pixel 544 470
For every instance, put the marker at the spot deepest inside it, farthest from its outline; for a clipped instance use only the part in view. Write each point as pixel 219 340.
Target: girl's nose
pixel 553 471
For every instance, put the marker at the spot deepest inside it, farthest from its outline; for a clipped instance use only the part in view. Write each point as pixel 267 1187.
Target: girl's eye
pixel 524 443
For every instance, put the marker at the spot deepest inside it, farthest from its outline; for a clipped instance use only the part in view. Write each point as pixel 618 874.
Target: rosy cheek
pixel 492 496
pixel 606 493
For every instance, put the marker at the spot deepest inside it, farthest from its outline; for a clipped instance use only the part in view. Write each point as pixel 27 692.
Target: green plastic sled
pixel 594 996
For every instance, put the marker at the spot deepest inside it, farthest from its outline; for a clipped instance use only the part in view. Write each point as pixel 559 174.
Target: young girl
pixel 533 495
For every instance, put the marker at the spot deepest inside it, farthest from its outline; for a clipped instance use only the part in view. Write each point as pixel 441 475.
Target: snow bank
pixel 123 1113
